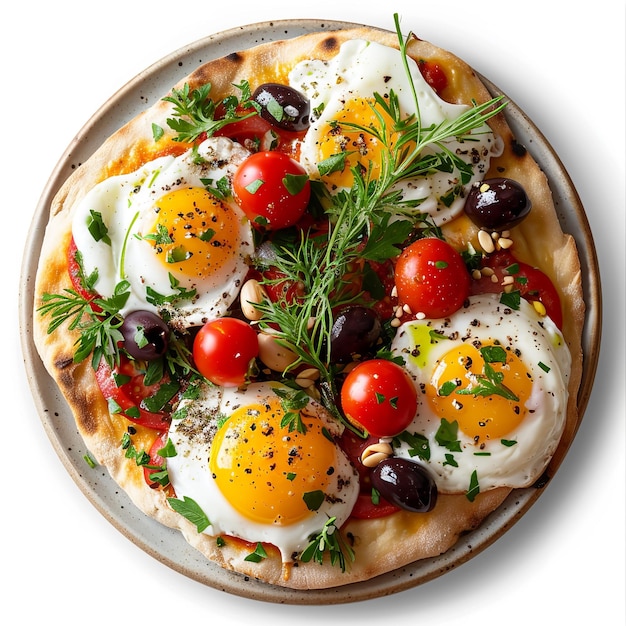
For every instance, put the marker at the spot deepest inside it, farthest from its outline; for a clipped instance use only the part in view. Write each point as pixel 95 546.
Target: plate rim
pixel 514 507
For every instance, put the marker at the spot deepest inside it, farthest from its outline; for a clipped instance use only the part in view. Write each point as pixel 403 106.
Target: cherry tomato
pixel 431 278
pixel 531 282
pixel 379 396
pixel 223 350
pixel 281 289
pixel 125 390
pixel 272 189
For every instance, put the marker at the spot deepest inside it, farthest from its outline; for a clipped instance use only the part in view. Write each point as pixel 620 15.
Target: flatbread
pixel 381 545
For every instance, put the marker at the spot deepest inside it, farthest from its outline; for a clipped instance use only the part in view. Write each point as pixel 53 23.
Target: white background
pixel 563 64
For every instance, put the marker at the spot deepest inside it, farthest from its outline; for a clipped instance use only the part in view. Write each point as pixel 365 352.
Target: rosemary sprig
pixel 359 216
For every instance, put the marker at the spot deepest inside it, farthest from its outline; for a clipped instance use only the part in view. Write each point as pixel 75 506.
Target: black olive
pixel 355 330
pixel 282 106
pixel 146 335
pixel 497 204
pixel 405 483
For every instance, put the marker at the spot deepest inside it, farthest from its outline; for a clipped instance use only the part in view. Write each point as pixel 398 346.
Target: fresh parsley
pixel 447 435
pixel 292 402
pixel 329 541
pixel 474 487
pixel 194 111
pixel 191 510
pixel 96 318
pixel 314 499
pixel 490 382
pixel 258 555
pixel 419 445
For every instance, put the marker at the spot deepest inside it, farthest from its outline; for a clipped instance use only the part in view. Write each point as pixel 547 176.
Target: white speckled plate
pixel 166 545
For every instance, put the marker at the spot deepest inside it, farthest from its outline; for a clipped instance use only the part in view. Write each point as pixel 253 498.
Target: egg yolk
pixel 485 397
pixel 194 235
pixel 362 148
pixel 264 470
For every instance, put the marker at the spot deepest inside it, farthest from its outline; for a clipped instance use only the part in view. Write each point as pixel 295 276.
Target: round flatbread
pixel 380 545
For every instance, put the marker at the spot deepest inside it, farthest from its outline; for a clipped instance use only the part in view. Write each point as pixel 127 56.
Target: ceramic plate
pixel 164 544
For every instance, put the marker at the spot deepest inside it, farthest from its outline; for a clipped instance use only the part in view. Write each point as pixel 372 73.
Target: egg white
pixel 541 346
pixel 127 206
pixel 363 68
pixel 189 473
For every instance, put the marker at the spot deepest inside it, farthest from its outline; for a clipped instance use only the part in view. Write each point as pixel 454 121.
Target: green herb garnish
pixel 190 509
pixel 368 221
pixel 331 541
pixel 194 111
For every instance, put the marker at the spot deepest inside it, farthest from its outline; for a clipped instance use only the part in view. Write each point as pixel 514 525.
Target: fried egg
pixel 343 90
pixel 179 245
pixel 492 385
pixel 255 477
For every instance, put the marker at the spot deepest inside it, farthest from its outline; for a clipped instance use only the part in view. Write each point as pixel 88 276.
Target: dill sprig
pixel 361 215
pixel 97 319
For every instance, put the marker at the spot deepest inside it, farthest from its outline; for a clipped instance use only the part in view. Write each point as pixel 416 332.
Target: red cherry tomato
pixel 223 350
pixel 125 391
pixel 531 282
pixel 281 289
pixel 431 278
pixel 380 397
pixel 272 189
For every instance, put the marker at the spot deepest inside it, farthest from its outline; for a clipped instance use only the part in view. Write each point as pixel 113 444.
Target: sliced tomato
pixel 256 133
pixel 383 302
pixel 433 74
pixel 126 393
pixel 531 282
pixel 156 461
pixel 75 275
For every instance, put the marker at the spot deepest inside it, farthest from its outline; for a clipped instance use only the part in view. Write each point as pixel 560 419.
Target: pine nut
pixel 485 241
pixel 375 453
pixel 252 293
pixel 273 354
pixel 311 373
